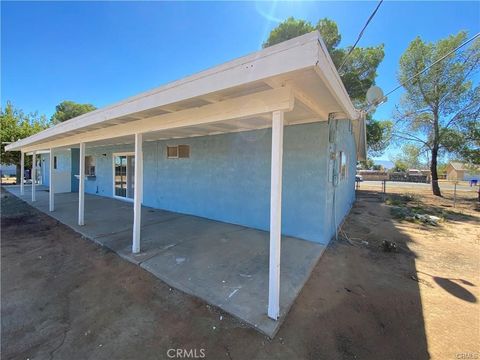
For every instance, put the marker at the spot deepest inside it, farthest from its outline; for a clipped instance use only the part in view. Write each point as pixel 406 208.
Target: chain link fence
pixel 452 191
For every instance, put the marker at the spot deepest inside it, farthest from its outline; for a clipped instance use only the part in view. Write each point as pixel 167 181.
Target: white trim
pixel 39 152
pixel 172 146
pixel 22 173
pixel 138 193
pixel 295 54
pixel 275 215
pixel 33 174
pixel 326 70
pixel 51 194
pixel 231 109
pixel 304 52
pixel 81 186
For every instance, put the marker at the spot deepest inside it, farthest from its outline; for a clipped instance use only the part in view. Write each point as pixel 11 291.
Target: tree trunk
pixel 433 170
pixel 17 174
pixel 433 163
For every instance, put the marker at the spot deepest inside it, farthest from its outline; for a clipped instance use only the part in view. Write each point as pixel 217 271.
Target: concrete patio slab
pixel 223 264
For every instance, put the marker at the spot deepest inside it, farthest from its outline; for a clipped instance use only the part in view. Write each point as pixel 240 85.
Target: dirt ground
pixel 64 297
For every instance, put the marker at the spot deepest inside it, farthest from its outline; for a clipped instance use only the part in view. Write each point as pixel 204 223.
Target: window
pixel 172 152
pixel 179 151
pixel 183 151
pixel 89 166
pixel 55 162
pixel 342 169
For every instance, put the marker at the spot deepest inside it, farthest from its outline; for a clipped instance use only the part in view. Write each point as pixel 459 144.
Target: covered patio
pixel 291 84
pixel 224 264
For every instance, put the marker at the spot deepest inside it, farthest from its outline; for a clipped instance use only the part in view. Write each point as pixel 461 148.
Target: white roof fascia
pixel 291 55
pixel 326 69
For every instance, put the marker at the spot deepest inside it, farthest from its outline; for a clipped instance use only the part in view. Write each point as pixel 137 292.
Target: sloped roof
pixel 457 165
pixel 298 74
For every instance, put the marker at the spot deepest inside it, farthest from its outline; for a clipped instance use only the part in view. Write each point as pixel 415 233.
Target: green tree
pixel 288 29
pixel 67 110
pixel 367 164
pixel 465 143
pixel 399 166
pixel 441 106
pixel 360 70
pixel 379 134
pixel 358 73
pixel 410 157
pixel 442 168
pixel 15 125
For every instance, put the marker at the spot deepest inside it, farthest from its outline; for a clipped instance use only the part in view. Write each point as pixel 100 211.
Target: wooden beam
pixel 300 95
pixel 306 100
pixel 275 215
pixel 237 108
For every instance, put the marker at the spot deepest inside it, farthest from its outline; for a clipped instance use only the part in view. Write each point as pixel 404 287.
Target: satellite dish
pixel 374 95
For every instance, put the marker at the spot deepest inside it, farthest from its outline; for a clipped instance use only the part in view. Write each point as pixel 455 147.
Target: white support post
pixel 275 215
pixel 22 173
pixel 34 174
pixel 81 186
pixel 138 193
pixel 51 194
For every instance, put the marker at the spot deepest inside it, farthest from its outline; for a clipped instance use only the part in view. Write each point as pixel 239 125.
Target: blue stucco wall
pixel 62 172
pixel 340 195
pixel 227 178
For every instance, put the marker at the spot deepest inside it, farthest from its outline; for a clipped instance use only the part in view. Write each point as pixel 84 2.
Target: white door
pixel 123 175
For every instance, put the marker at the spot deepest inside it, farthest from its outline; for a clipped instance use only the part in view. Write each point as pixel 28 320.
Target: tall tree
pixel 67 110
pixel 15 125
pixel 440 106
pixel 464 143
pixel 357 74
pixel 360 70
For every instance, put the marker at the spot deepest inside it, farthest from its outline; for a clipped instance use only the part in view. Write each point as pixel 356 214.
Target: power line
pixel 360 35
pixel 428 67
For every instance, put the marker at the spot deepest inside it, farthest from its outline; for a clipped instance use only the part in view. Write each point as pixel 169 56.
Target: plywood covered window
pixel 178 152
pixel 172 152
pixel 183 151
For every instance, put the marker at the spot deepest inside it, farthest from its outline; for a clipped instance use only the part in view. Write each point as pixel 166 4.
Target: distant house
pixel 459 171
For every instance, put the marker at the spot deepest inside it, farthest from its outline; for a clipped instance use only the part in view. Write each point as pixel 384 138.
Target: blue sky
pixel 102 52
